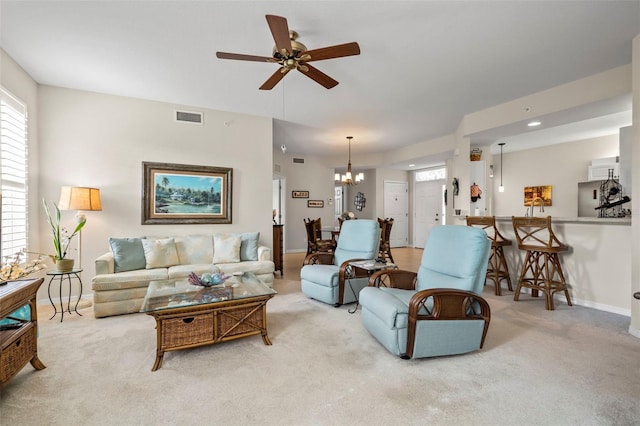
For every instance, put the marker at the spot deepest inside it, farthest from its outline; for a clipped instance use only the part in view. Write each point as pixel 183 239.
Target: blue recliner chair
pixel 328 278
pixel 438 310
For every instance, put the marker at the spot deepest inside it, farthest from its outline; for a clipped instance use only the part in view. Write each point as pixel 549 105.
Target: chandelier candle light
pixel 349 179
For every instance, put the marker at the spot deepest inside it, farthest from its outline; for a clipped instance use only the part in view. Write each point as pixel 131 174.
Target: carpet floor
pixel 571 366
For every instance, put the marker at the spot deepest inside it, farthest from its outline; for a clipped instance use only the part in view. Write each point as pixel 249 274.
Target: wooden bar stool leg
pixel 504 269
pixel 525 266
pixel 548 282
pixel 560 284
pixel 536 279
pixel 538 272
pixel 564 283
pixel 493 272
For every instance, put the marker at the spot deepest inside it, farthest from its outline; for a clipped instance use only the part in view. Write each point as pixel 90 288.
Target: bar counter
pixel 597 266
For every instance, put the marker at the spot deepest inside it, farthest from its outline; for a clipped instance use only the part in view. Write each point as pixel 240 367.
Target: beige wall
pixel 90 139
pixel 314 176
pixel 18 82
pixel 634 327
pixel 562 166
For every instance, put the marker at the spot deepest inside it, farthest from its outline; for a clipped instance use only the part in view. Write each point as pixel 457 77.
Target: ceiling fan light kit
pixel 290 54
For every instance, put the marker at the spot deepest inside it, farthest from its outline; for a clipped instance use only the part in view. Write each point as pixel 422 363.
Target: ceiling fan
pixel 290 54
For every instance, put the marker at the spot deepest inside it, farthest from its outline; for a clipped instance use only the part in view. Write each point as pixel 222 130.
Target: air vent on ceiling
pixel 298 160
pixel 189 117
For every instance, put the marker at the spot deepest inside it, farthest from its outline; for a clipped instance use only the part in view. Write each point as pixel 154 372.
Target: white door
pixel 338 204
pixel 428 209
pixel 396 206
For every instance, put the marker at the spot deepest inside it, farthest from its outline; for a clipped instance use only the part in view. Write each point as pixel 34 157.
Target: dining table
pixel 334 231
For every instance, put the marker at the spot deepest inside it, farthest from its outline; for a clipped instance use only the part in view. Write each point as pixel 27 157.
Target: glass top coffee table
pixel 188 315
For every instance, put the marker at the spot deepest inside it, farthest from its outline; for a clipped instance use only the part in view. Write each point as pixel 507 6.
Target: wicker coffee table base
pixel 199 325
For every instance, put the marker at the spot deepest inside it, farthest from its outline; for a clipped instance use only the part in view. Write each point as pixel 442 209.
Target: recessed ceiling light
pixel 412 165
pixel 534 123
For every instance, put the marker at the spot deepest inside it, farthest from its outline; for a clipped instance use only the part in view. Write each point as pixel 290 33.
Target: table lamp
pixel 81 199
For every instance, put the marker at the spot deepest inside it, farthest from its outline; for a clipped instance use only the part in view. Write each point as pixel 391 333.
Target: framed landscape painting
pixel 186 194
pixel 533 192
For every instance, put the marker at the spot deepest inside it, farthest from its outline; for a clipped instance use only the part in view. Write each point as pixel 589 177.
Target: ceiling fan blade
pixel 239 57
pixel 280 31
pixel 338 51
pixel 274 79
pixel 319 77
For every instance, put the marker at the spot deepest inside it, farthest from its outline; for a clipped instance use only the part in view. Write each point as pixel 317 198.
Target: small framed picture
pixel 315 203
pixel 299 194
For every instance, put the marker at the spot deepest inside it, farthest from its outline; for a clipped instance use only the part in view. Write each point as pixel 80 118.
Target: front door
pixel 428 209
pixel 396 207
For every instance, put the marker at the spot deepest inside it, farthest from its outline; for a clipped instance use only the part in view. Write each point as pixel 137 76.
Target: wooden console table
pixel 19 345
pixel 277 248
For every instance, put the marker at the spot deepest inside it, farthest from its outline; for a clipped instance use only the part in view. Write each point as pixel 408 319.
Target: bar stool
pixel 541 270
pixel 497 269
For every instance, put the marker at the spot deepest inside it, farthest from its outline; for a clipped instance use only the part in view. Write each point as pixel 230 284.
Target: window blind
pixel 13 173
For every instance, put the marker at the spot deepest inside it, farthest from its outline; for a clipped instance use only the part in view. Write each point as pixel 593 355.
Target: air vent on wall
pixel 189 117
pixel 298 160
pixel 276 168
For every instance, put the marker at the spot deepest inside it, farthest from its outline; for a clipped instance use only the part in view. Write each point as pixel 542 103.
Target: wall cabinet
pixel 601 171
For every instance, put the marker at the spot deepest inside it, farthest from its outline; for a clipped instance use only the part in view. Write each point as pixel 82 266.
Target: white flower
pixel 12 268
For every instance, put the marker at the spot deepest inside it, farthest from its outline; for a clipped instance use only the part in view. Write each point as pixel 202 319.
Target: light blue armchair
pixel 438 310
pixel 328 278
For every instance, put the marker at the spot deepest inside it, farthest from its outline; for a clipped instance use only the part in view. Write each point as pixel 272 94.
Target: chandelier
pixel 349 178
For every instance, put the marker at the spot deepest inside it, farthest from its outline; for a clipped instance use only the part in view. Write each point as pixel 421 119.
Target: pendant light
pixel 501 187
pixel 349 179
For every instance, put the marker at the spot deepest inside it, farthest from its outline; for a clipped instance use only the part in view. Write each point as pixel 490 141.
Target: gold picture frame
pixel 299 194
pixel 535 192
pixel 185 194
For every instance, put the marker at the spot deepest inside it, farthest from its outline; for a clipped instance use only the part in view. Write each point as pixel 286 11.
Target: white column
pixel 634 327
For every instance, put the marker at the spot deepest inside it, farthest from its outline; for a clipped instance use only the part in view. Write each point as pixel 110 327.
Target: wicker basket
pixel 181 331
pixel 476 154
pixel 17 353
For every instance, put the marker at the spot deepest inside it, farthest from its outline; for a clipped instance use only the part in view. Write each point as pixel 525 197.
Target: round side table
pixel 60 276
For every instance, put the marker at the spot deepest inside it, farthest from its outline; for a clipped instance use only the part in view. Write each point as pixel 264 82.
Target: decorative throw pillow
pixel 128 254
pixel 160 253
pixel 194 249
pixel 226 248
pixel 249 246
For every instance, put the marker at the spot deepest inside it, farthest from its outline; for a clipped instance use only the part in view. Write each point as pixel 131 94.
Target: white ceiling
pixel 423 66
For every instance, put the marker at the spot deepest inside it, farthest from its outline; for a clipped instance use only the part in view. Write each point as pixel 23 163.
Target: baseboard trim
pixel 602 307
pixel 85 300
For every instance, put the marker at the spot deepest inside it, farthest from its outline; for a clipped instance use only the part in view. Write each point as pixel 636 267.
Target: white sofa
pixel 123 274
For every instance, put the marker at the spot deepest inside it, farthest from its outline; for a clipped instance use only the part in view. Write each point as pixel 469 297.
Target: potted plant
pixel 61 239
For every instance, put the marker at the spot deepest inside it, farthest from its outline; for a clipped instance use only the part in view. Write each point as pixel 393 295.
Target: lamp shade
pixel 79 198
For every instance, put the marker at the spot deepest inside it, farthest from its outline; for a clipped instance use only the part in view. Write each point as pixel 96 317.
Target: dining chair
pixel 385 235
pixel 315 243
